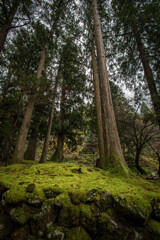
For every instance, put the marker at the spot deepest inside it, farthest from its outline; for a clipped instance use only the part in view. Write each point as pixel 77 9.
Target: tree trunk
pixel 7 24
pixel 60 142
pixel 98 107
pixel 141 170
pixel 113 154
pixel 149 75
pixel 159 166
pixel 30 153
pixel 46 141
pixel 22 137
pixel 10 140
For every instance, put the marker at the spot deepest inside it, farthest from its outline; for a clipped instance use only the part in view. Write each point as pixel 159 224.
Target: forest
pixel 79 119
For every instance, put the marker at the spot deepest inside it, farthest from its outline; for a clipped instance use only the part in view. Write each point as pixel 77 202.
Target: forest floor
pixel 86 194
pixel 70 177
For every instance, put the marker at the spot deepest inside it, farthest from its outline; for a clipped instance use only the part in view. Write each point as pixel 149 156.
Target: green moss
pixel 104 218
pixel 154 227
pixel 77 234
pixel 20 215
pixel 33 238
pixel 65 179
pixel 114 164
pixel 16 194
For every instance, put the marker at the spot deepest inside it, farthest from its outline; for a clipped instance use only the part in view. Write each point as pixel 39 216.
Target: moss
pixel 77 234
pixel 63 179
pixel 107 223
pixel 88 217
pixel 138 207
pixel 115 165
pixel 20 215
pixel 154 227
pixel 104 218
pixel 16 194
pixel 33 238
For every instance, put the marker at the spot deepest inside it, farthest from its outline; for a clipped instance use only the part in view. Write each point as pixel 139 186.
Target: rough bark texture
pixel 113 153
pixel 60 142
pixel 21 141
pixel 98 108
pixel 30 153
pixel 148 74
pixel 46 141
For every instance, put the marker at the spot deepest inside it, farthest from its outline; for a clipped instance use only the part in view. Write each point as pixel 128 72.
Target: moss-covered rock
pixel 71 201
pixel 20 215
pixel 77 234
pixel 133 209
pixel 154 229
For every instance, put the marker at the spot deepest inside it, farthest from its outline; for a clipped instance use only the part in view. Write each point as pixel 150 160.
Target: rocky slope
pixel 69 201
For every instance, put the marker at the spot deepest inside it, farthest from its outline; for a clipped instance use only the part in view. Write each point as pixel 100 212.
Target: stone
pixel 106 201
pixel 55 235
pixel 51 194
pixel 132 211
pixel 156 211
pixel 20 215
pixel 91 195
pixel 46 215
pixel 34 201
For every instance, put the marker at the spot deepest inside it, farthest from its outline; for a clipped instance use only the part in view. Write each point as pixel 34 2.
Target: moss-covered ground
pixel 76 180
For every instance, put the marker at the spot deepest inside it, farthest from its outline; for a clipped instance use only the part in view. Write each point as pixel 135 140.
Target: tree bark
pixel 141 170
pixel 60 142
pixel 30 153
pixel 113 154
pixel 18 154
pixel 148 73
pixel 98 107
pixel 46 141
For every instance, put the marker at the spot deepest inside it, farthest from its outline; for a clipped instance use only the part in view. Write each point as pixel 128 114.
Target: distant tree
pixel 145 131
pixel 156 150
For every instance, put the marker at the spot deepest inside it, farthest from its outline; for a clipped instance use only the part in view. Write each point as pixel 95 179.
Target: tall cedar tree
pixel 113 154
pixel 46 141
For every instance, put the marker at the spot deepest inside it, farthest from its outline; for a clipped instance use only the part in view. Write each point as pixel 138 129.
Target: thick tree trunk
pixel 113 154
pixel 98 107
pixel 46 141
pixel 21 141
pixel 149 75
pixel 30 153
pixel 60 142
